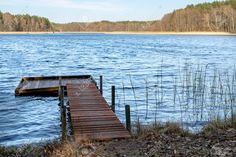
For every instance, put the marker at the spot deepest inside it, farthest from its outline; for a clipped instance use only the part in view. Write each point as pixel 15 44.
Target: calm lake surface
pixel 124 60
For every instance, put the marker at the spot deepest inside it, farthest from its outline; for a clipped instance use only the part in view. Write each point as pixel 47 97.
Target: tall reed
pixel 198 93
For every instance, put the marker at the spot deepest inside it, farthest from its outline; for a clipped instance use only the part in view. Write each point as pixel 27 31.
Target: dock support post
pixel 113 92
pixel 101 85
pixel 60 92
pixel 63 111
pixel 127 116
pixel 61 96
pixel 63 122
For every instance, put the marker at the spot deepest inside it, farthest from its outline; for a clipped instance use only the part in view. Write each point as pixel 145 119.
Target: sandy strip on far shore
pixel 150 33
pixel 175 33
pixel 23 33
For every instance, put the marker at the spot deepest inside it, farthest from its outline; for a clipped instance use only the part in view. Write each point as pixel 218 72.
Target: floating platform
pixel 91 116
pixel 48 86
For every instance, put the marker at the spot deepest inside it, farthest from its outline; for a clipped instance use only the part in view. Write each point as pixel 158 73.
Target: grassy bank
pixel 171 140
pixel 216 139
pixel 30 150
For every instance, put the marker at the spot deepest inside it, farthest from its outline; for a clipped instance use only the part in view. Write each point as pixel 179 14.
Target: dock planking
pixel 91 116
pixel 48 86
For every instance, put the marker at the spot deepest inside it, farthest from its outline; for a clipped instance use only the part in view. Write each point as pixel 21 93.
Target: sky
pixel 64 11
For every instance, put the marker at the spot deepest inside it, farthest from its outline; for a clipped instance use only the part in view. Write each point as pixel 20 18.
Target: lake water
pixel 125 61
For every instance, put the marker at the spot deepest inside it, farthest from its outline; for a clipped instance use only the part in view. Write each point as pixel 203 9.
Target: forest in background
pixel 26 23
pixel 219 16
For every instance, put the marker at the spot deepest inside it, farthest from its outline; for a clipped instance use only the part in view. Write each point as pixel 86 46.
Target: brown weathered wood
pixel 91 117
pixel 104 135
pixel 101 85
pixel 127 117
pixel 113 102
pixel 48 86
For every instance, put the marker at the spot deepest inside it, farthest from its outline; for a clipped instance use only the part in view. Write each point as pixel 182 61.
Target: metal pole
pixel 128 119
pixel 113 91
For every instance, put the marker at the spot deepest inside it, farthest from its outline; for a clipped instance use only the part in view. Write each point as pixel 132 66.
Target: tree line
pixel 215 16
pixel 107 26
pixel 27 23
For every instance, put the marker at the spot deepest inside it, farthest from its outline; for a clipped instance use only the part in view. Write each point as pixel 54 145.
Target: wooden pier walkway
pixel 91 117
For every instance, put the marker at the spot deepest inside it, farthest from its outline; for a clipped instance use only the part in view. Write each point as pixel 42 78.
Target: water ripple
pixel 116 57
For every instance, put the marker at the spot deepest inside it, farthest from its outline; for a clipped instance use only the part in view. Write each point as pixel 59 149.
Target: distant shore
pixel 174 33
pixel 24 33
pixel 120 32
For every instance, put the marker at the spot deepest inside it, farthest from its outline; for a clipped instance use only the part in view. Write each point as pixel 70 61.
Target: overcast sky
pixel 63 11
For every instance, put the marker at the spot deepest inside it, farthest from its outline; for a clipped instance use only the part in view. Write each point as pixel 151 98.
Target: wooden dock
pixel 48 86
pixel 91 116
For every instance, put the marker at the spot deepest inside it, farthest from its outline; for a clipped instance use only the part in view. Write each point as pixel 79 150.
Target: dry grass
pixel 170 140
pixel 73 150
pixel 219 125
pixel 36 150
pixel 157 135
pixel 158 128
pixel 140 135
pixel 51 149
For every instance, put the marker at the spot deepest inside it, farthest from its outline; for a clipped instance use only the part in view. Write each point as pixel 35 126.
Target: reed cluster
pixel 195 95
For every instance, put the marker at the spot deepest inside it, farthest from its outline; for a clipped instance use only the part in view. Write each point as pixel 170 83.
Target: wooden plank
pixel 91 117
pixel 101 136
pixel 95 123
pixel 97 131
pixel 89 109
pixel 99 127
pixel 88 119
pixel 47 86
pixel 88 105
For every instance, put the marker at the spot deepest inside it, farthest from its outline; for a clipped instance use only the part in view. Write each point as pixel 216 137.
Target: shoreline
pixel 169 139
pixel 125 33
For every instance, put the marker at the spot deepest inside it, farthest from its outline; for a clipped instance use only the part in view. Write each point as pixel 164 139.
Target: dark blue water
pixel 117 57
